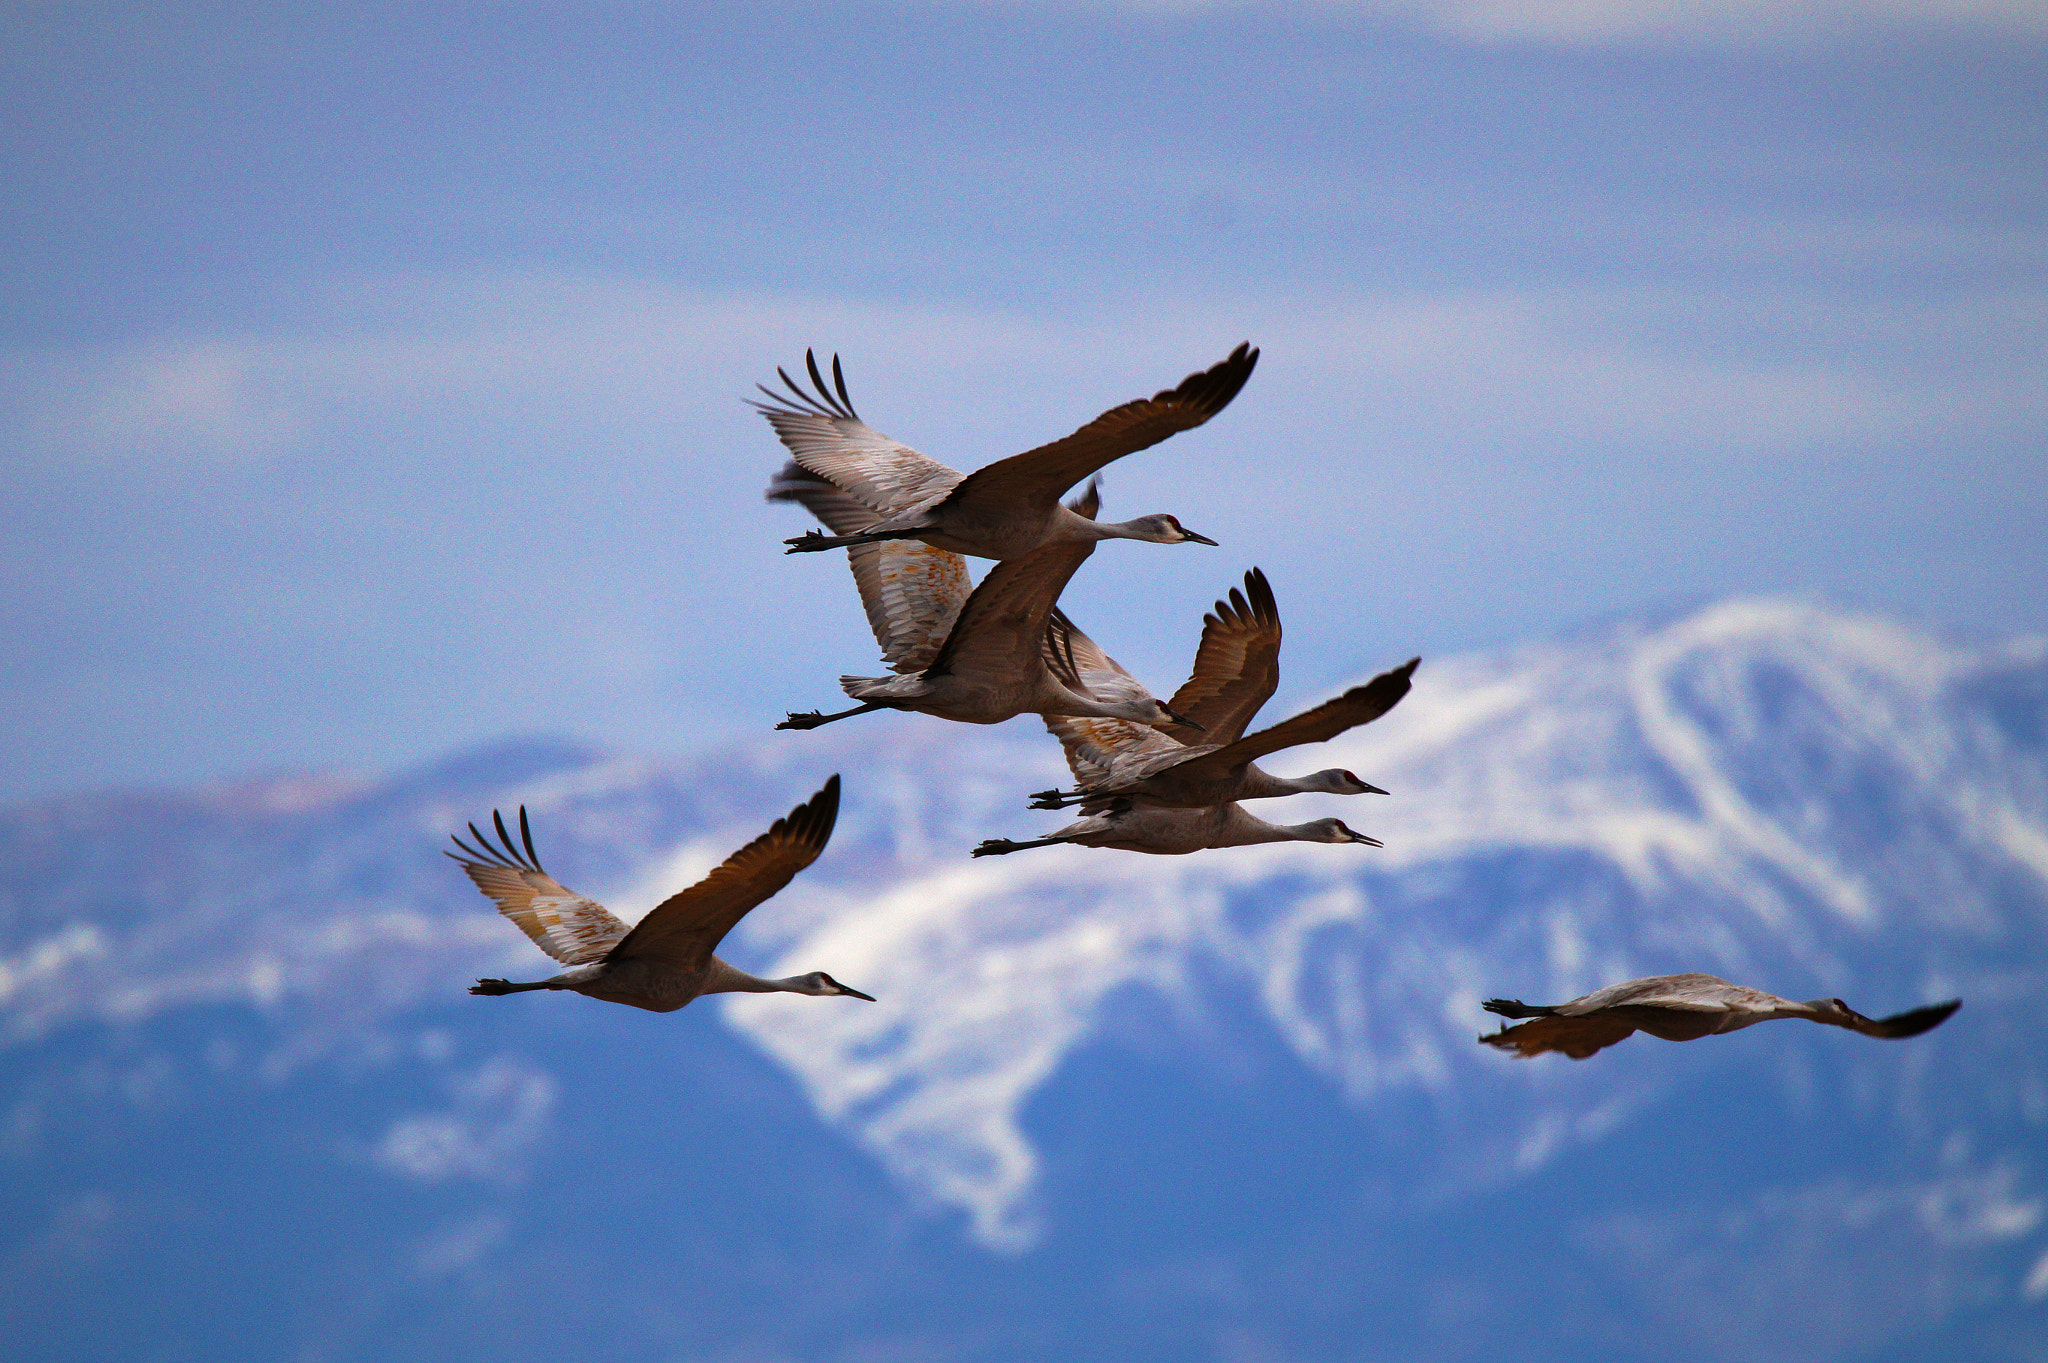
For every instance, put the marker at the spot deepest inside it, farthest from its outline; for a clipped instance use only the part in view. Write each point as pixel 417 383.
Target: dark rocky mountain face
pixel 1226 1106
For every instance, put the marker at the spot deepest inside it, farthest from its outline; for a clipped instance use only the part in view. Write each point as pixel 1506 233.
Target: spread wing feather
pixel 573 929
pixel 1099 750
pixel 1041 475
pixel 825 437
pixel 1237 665
pixel 1359 705
pixel 912 592
pixel 684 929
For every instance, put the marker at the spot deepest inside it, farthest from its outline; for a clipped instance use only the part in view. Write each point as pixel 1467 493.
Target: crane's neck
pixel 1263 785
pixel 1071 702
pixel 1241 830
pixel 1081 527
pixel 730 979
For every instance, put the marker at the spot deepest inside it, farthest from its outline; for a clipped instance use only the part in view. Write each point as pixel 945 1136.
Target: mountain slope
pixel 1225 1106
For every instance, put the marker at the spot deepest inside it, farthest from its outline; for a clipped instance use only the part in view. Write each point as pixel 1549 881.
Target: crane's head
pixel 1337 781
pixel 1162 529
pixel 1333 830
pixel 821 985
pixel 1159 713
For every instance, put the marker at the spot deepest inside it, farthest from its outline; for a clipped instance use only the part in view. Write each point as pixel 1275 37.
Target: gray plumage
pixel 990 665
pixel 1177 832
pixel 1681 1008
pixel 1237 668
pixel 1005 510
pixel 666 960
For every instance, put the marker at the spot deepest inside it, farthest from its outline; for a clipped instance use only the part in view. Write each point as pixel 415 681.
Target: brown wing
pixel 566 925
pixel 686 928
pixel 827 438
pixel 1359 705
pixel 1041 475
pixel 1576 1037
pixel 1000 632
pixel 1237 666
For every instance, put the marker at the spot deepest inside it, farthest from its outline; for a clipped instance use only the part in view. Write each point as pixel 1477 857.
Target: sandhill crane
pixel 666 960
pixel 1681 1008
pixel 1237 667
pixel 1177 832
pixel 1004 510
pixel 991 664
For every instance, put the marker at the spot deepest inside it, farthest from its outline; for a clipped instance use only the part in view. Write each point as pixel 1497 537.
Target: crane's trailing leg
pixel 811 719
pixel 1057 799
pixel 1515 1008
pixel 996 847
pixel 811 541
pixel 505 987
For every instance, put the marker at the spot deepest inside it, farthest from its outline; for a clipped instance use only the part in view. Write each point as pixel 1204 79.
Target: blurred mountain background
pixel 1227 1106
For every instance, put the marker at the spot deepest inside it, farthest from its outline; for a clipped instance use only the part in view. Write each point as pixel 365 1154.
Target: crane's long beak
pixel 1200 539
pixel 1360 837
pixel 1179 718
pixel 856 993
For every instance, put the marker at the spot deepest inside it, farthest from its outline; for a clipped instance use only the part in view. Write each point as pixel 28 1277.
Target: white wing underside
pixel 570 927
pixel 1102 752
pixel 911 592
pixel 889 476
pixel 1107 751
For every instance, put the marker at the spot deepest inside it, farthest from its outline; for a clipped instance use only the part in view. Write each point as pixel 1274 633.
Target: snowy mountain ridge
pixel 1653 754
pixel 1804 799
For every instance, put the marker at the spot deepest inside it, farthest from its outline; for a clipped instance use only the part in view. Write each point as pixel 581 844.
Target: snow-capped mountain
pixel 1077 1054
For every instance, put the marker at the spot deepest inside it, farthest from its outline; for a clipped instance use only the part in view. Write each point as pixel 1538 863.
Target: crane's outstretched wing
pixel 1237 666
pixel 1000 632
pixel 825 436
pixel 1576 1037
pixel 1359 705
pixel 911 591
pixel 569 927
pixel 684 929
pixel 1910 1023
pixel 1041 475
pixel 1097 748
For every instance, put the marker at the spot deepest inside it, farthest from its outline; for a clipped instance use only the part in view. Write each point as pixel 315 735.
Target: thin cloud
pixel 1649 23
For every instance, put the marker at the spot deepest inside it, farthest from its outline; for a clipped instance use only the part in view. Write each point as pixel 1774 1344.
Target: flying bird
pixel 1681 1008
pixel 989 664
pixel 1237 668
pixel 1177 832
pixel 1003 511
pixel 666 960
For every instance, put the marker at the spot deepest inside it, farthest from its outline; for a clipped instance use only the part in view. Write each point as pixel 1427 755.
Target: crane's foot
pixel 1515 1008
pixel 1055 799
pixel 810 542
pixel 996 847
pixel 809 719
pixel 492 987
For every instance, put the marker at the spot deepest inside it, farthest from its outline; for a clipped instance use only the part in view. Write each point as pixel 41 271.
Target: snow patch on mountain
pixel 1726 792
pixel 1808 800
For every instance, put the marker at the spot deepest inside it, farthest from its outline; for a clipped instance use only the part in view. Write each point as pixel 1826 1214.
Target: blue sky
pixel 370 382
